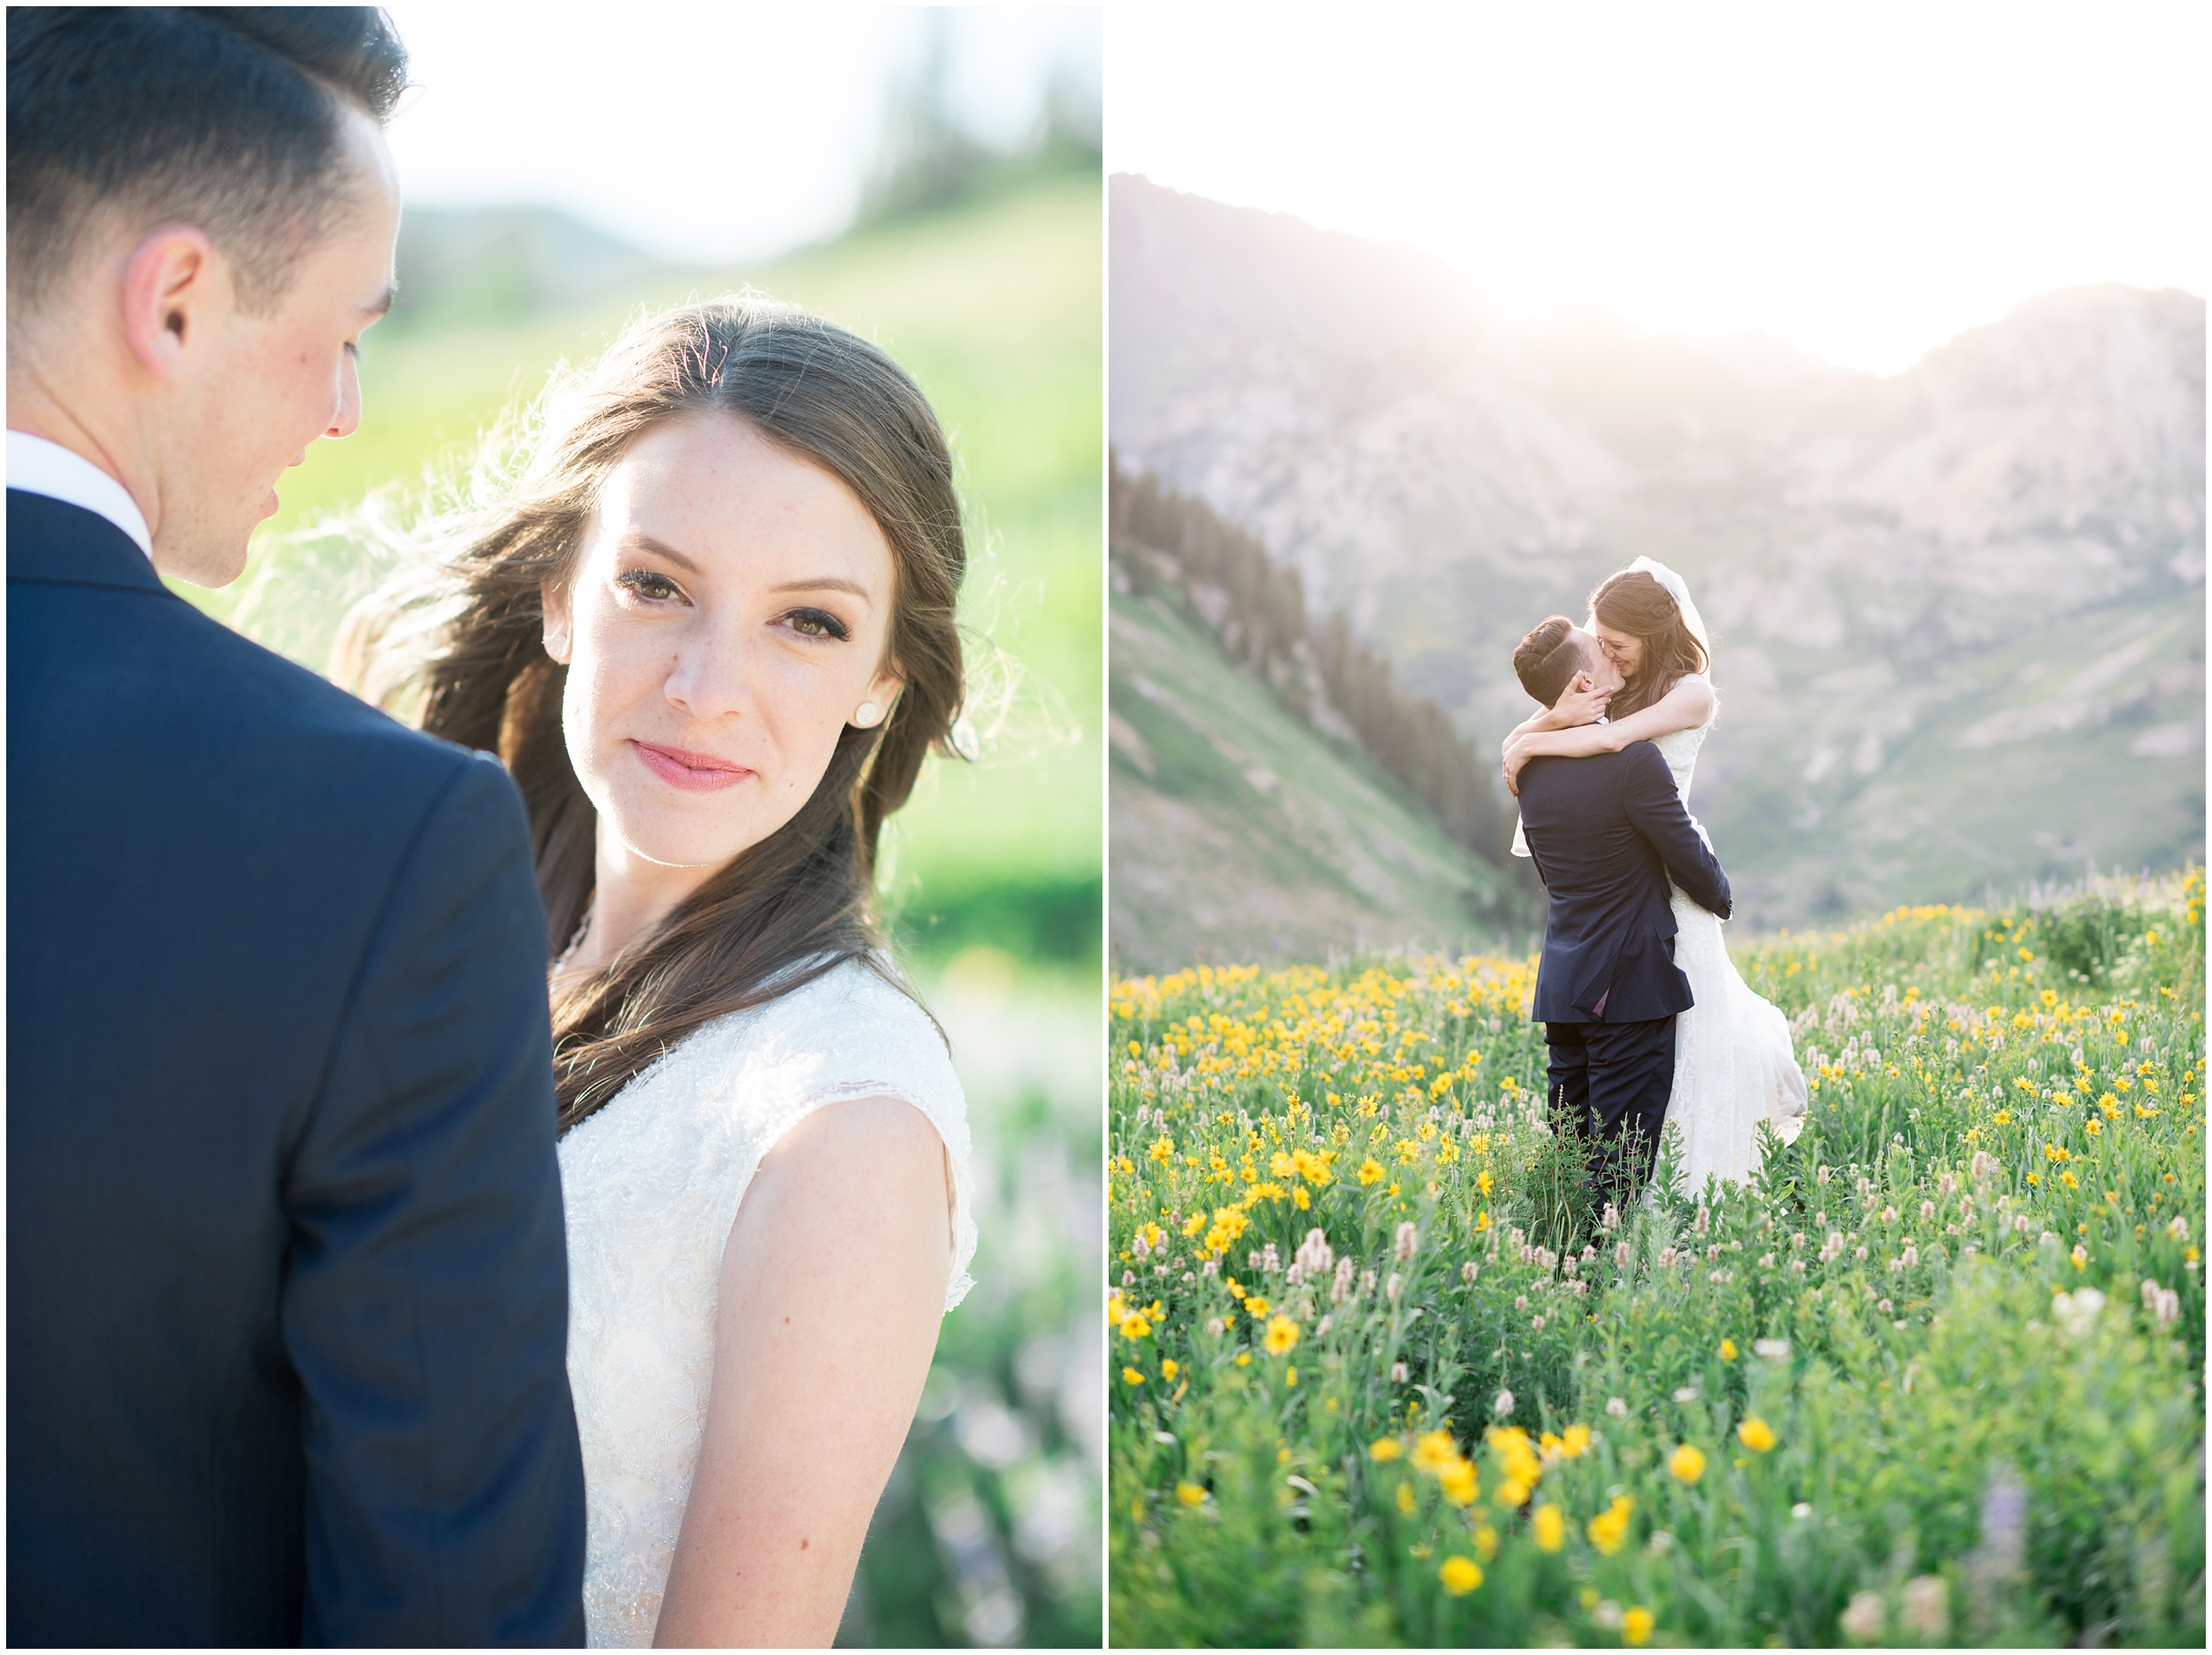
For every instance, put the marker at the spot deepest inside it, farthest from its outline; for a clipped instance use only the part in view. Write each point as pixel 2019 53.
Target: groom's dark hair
pixel 1548 658
pixel 226 118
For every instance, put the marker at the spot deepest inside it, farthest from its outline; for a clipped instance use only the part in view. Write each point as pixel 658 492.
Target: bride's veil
pixel 1678 589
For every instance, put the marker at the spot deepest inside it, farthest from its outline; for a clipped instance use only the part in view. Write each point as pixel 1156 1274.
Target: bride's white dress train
pixel 1733 1063
pixel 652 1184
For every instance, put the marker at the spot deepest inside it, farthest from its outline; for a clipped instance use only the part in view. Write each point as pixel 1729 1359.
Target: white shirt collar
pixel 40 467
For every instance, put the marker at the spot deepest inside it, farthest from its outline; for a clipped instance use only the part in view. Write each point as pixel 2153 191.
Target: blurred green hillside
pixel 994 305
pixel 1240 834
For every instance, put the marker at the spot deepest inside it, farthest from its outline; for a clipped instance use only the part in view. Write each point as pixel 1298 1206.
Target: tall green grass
pixel 1934 1377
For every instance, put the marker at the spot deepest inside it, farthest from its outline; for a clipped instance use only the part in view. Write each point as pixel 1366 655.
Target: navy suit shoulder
pixel 285 1262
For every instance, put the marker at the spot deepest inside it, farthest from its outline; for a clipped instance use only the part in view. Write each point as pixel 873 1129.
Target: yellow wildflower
pixel 1608 1529
pixel 1483 1181
pixel 1728 1350
pixel 1576 1443
pixel 1405 1498
pixel 1687 1463
pixel 1636 1626
pixel 1282 1333
pixel 1170 1368
pixel 1757 1435
pixel 1371 1171
pixel 1460 1575
pixel 1549 1528
pixel 1255 1307
pixel 1190 1494
pixel 1434 1451
pixel 1163 1150
pixel 1458 1482
pixel 1133 1326
pixel 1132 1377
pixel 1384 1448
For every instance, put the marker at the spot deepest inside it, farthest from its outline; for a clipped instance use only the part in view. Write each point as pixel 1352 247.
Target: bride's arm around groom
pixel 287 1291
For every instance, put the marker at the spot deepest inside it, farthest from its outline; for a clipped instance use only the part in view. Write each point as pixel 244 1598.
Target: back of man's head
pixel 1549 658
pixel 123 118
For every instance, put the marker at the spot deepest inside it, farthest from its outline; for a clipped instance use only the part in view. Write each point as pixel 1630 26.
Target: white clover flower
pixel 1397 1373
pixel 1408 1240
pixel 1617 1408
pixel 1502 1406
pixel 1773 1350
pixel 1926 1612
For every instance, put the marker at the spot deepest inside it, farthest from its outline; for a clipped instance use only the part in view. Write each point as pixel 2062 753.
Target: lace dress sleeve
pixel 847 1036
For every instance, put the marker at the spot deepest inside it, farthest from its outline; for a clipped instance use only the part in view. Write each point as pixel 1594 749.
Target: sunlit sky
pixel 1864 180
pixel 706 134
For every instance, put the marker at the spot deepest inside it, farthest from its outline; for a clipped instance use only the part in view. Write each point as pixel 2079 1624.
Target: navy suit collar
pixel 52 541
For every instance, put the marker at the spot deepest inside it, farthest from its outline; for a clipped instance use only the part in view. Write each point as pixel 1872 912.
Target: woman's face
pixel 1625 650
pixel 727 618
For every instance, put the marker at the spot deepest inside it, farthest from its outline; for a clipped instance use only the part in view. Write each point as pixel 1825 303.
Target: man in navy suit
pixel 286 1285
pixel 1605 833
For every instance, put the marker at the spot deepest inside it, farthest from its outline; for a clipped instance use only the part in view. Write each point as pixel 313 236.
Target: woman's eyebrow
pixel 827 583
pixel 637 541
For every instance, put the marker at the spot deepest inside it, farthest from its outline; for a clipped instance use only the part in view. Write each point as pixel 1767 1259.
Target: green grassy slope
pixel 995 306
pixel 1239 834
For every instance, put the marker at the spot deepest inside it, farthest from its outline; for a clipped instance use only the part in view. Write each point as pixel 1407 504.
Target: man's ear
pixel 175 284
pixel 553 600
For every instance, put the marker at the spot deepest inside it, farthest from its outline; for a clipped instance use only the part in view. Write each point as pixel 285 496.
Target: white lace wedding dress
pixel 652 1182
pixel 1733 1063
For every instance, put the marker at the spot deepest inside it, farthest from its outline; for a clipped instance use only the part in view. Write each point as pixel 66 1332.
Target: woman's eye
pixel 654 588
pixel 816 624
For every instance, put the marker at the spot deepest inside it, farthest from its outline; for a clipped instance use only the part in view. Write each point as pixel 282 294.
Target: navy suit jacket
pixel 286 1287
pixel 1605 833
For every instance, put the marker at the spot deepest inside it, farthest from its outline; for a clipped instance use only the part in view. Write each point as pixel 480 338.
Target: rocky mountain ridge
pixel 1958 610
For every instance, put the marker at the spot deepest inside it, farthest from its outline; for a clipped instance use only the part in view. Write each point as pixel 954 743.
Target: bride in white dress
pixel 709 627
pixel 1733 1063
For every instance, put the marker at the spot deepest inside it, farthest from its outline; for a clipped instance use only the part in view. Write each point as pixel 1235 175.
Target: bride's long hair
pixel 456 638
pixel 1633 602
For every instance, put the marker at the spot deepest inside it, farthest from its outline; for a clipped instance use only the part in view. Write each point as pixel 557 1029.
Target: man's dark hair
pixel 227 118
pixel 1548 658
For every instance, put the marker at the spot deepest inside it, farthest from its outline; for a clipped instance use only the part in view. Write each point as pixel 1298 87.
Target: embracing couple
pixel 480 1182
pixel 1647 1020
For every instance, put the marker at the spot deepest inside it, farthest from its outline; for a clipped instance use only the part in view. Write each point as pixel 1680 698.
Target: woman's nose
pixel 709 679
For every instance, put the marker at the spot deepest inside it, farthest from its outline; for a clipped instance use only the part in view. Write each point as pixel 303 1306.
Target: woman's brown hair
pixel 466 641
pixel 1633 602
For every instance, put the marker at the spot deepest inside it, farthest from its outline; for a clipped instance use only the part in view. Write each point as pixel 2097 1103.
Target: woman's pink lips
pixel 693 772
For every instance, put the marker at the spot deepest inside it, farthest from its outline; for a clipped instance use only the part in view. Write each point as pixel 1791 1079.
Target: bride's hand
pixel 1580 704
pixel 1516 753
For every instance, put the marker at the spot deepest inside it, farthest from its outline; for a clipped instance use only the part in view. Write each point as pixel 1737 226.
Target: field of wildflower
pixel 1380 1374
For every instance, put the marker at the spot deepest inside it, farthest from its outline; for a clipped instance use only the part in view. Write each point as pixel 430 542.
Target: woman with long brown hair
pixel 1734 1068
pixel 708 624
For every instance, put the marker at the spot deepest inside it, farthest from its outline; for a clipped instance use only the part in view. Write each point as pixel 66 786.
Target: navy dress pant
pixel 1612 1079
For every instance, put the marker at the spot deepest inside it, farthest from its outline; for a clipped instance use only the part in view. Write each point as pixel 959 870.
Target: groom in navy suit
pixel 286 1285
pixel 1605 833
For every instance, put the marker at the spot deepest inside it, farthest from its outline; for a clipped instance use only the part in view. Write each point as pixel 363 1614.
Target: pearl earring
pixel 866 713
pixel 555 643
